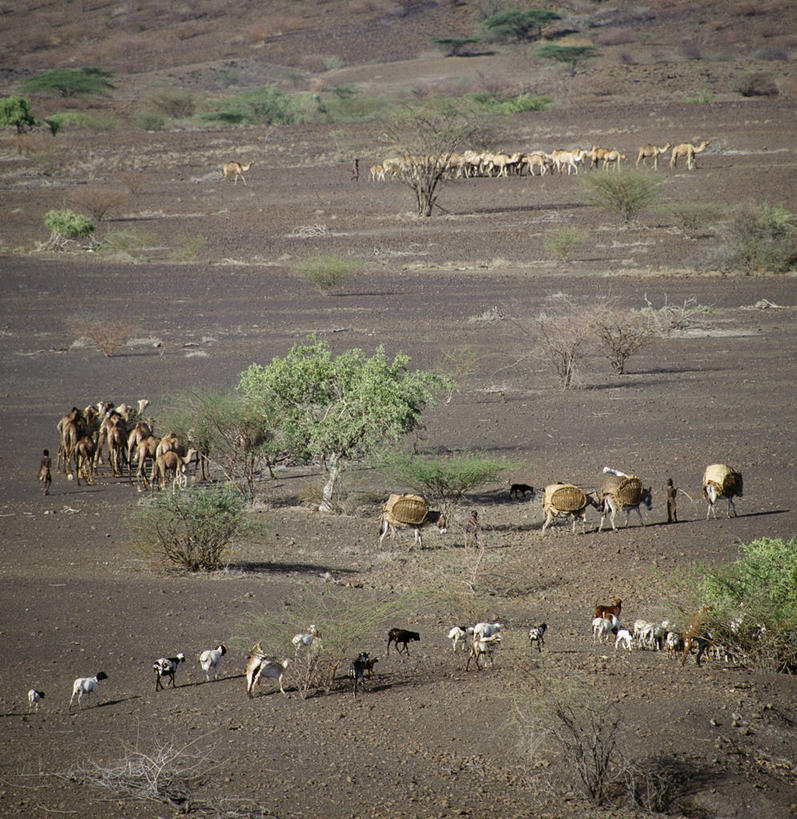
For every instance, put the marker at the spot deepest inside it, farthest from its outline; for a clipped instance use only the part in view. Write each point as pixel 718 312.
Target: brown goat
pixel 605 611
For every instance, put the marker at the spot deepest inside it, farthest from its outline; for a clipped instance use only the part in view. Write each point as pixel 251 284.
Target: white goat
pixel 307 639
pixel 601 629
pixel 34 698
pixel 673 643
pixel 624 637
pixel 458 634
pixel 483 631
pixel 87 686
pixel 209 661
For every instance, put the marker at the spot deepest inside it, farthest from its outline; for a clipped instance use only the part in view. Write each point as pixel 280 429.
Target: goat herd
pixel 480 642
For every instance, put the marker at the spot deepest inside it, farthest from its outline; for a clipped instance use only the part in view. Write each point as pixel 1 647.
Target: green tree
pixel 512 24
pixel 453 46
pixel 70 82
pixel 16 111
pixel 339 409
pixel 625 193
pixel 444 480
pixel 572 54
pixel 424 146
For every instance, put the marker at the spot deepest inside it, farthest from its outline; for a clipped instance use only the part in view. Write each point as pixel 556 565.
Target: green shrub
pixel 189 248
pixel 80 119
pixel 761 239
pixel 563 243
pixel 624 193
pixel 495 103
pixel 15 111
pixel 173 103
pixel 260 106
pixel 149 122
pixel 703 96
pixel 125 243
pixel 454 46
pixel 68 224
pixel 325 270
pixel 70 82
pixel 693 217
pixel 191 529
pixel 750 605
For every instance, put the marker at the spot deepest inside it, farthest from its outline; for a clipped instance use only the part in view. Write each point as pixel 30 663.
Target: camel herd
pixel 127 437
pixel 471 163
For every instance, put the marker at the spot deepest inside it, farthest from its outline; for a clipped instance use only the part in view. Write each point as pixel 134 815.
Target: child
pixel 672 491
pixel 45 476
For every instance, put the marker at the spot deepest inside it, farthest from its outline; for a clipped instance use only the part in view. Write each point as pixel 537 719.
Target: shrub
pixel 189 248
pixel 173 103
pixel 444 479
pixel 454 46
pixel 621 333
pixel 693 217
pixel 66 225
pixel 511 24
pixel 563 243
pixel 107 335
pixel 149 122
pixel 98 200
pixel 327 269
pixel 751 604
pixel 80 119
pixel 15 111
pixel 70 82
pixel 563 335
pixel 624 193
pixel 757 84
pixel 493 102
pixel 133 179
pixel 191 529
pixel 703 96
pixel 267 105
pixel 125 243
pixel 572 55
pixel 761 238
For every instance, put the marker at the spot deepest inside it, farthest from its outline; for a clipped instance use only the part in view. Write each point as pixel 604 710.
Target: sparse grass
pixel 693 217
pixel 148 121
pixel 97 121
pixel 561 244
pixel 189 248
pixel 125 243
pixel 179 103
pixel 702 97
pixel 98 200
pixel 328 269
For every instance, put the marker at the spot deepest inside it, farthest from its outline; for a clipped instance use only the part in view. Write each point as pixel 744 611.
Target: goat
pixel 259 664
pixel 483 631
pixel 306 638
pixel 696 634
pixel 624 637
pixel 209 661
pixel 520 490
pixel 537 635
pixel 601 629
pixel 34 698
pixel 483 649
pixel 604 611
pixel 400 637
pixel 459 633
pixel 673 643
pixel 87 686
pixel 611 504
pixel 166 667
pixel 362 665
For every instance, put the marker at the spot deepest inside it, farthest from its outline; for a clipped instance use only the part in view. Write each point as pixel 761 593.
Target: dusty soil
pixel 426 738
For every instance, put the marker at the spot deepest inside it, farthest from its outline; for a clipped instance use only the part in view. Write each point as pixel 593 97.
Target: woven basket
pixel 727 480
pixel 629 492
pixel 408 510
pixel 563 497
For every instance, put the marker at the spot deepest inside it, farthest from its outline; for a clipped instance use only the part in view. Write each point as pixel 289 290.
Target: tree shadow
pixel 275 567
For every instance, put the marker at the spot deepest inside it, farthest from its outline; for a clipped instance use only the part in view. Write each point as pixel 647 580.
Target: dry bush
pixel 179 103
pixel 563 335
pixel 757 84
pixel 107 335
pixel 621 333
pixel 33 145
pixel 134 180
pixel 98 200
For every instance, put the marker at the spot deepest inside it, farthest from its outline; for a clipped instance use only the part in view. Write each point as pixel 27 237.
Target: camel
pixel 170 464
pixel 613 156
pixel 84 460
pixel 537 158
pixel 111 419
pixel 117 441
pixel 147 448
pixel 596 155
pixel 651 151
pixel 169 443
pixel 236 169
pixel 72 427
pixel 569 158
pixel 136 435
pixel 377 173
pixel 688 150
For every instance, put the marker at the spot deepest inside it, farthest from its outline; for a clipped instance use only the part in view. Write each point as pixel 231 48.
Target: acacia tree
pixel 339 409
pixel 512 24
pixel 424 146
pixel 570 54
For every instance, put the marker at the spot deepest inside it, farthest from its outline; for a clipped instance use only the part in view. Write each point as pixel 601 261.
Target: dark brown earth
pixel 427 738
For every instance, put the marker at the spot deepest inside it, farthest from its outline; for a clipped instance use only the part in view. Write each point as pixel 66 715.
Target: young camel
pixel 688 150
pixel 651 152
pixel 612 156
pixel 597 155
pixel 236 169
pixel 171 464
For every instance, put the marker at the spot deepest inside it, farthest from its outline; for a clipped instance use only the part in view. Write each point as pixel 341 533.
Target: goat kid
pixel 537 635
pixel 458 634
pixel 361 666
pixel 34 698
pixel 87 686
pixel 483 650
pixel 401 637
pixel 166 667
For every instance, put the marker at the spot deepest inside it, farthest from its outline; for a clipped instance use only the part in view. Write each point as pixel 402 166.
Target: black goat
pixel 361 666
pixel 400 637
pixel 520 490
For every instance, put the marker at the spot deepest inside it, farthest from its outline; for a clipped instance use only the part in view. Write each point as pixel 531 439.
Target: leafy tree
pixel 339 409
pixel 444 479
pixel 70 82
pixel 16 111
pixel 453 46
pixel 425 146
pixel 512 24
pixel 191 529
pixel 570 54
